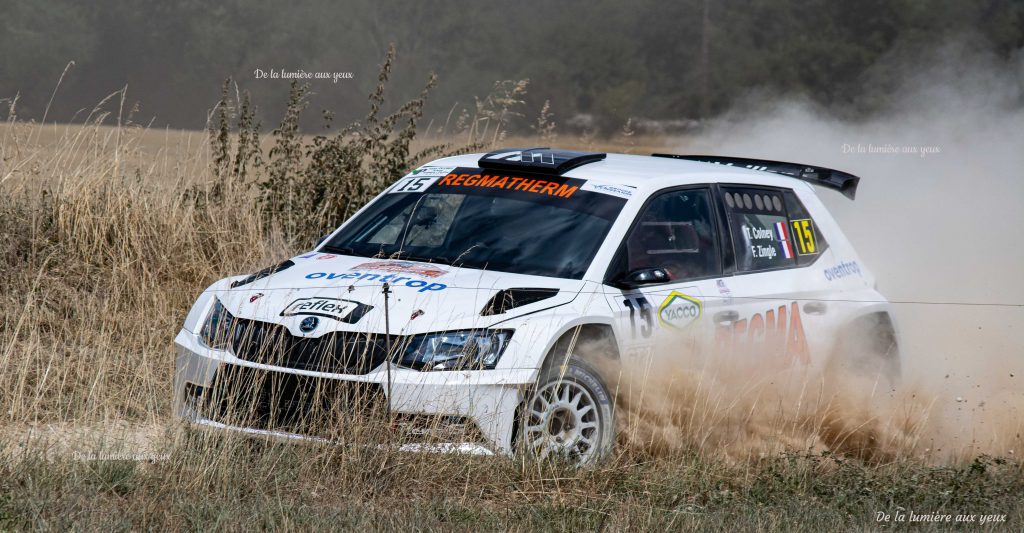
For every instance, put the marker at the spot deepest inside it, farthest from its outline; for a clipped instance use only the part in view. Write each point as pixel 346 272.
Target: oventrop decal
pixel 393 279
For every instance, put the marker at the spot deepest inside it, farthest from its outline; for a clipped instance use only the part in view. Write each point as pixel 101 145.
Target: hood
pixel 345 293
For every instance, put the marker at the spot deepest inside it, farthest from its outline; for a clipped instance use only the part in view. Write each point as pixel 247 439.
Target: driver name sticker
pixel 679 310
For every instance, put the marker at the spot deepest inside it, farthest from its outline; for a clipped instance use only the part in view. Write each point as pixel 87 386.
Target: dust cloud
pixel 938 220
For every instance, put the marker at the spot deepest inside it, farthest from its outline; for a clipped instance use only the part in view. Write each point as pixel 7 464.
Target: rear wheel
pixel 868 349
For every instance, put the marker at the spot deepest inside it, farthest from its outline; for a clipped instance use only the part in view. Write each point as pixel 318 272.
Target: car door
pixel 775 313
pixel 674 248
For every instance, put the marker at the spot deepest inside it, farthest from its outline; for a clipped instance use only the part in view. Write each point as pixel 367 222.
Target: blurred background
pixel 662 66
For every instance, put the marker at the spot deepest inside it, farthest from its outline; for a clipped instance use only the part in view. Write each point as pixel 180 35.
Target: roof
pixel 647 172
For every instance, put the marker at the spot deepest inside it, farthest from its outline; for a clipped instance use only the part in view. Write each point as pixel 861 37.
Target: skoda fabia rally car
pixel 465 290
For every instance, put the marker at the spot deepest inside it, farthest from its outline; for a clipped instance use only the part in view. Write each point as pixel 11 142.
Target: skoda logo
pixel 309 324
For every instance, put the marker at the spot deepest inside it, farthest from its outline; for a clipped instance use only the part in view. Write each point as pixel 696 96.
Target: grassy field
pixel 103 254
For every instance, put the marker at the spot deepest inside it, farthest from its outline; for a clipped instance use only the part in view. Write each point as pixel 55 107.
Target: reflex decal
pixel 335 308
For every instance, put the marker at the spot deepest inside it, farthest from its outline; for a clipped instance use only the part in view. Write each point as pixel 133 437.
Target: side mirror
pixel 641 276
pixel 321 241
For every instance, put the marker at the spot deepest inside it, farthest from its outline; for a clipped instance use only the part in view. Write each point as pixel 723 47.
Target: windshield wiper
pixel 339 250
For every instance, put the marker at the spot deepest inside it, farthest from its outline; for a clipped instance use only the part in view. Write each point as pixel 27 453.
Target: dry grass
pixel 102 257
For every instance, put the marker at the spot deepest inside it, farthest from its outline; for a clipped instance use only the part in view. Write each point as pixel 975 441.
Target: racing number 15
pixel 641 303
pixel 804 233
pixel 412 184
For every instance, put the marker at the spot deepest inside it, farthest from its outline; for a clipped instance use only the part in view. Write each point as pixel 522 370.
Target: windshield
pixel 544 226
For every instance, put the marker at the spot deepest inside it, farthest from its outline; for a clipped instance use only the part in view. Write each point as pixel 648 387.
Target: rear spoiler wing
pixel 837 180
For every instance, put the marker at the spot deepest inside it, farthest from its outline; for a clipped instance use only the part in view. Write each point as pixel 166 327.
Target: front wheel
pixel 568 415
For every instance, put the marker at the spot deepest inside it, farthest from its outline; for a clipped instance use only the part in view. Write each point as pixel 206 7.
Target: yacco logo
pixel 393 279
pixel 679 310
pixel 842 270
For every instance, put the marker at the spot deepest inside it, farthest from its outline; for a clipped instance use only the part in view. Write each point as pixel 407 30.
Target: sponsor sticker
pixel 254 297
pixel 409 267
pixel 419 179
pixel 842 270
pixel 622 191
pixel 430 171
pixel 335 308
pixel 678 311
pixel 395 280
pixel 560 188
pixel 775 334
pixel 723 289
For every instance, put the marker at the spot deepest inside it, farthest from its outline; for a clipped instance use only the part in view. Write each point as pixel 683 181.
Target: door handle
pixel 815 308
pixel 724 318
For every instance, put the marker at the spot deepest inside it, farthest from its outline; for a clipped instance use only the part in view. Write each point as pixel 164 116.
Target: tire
pixel 868 349
pixel 569 415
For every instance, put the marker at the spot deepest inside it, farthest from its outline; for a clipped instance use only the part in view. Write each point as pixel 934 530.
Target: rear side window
pixel 770 229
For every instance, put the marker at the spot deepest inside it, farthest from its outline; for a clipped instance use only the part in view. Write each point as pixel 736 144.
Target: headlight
pixel 216 332
pixel 456 350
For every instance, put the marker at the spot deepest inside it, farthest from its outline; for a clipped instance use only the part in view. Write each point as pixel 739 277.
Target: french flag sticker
pixel 783 236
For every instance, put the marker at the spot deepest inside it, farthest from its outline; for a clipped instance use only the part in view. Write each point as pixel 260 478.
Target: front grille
pixel 335 352
pixel 261 399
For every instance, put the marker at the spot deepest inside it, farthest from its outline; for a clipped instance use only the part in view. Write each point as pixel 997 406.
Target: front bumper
pixel 487 399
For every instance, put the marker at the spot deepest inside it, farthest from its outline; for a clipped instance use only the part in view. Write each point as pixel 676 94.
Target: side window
pixel 770 229
pixel 676 231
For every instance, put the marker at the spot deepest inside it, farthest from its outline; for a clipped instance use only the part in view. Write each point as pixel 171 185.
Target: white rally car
pixel 464 291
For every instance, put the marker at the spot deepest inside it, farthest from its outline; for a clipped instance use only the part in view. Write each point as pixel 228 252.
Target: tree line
pixel 597 63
